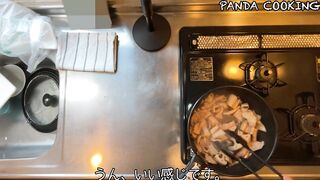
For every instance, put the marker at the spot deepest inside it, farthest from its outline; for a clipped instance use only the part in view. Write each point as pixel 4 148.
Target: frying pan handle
pixel 188 167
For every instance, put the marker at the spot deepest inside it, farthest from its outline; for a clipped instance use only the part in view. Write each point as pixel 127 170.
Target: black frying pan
pixel 257 104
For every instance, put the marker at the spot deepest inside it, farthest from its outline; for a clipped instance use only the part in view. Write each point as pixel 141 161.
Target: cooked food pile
pixel 217 113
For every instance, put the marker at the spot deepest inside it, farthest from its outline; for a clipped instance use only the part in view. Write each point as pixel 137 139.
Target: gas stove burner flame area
pixel 304 119
pixel 266 72
pixel 310 123
pixel 261 75
pixel 305 122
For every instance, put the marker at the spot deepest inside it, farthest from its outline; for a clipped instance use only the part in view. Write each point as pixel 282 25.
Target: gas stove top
pixel 281 64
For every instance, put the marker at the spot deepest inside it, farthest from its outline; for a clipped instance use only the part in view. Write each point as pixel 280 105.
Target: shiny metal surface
pixel 18 139
pixel 131 119
pixel 55 8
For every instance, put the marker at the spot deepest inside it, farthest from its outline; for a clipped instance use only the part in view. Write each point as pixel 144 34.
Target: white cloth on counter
pixel 87 51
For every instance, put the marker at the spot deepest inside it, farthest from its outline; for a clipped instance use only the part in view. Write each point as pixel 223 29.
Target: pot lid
pixel 41 101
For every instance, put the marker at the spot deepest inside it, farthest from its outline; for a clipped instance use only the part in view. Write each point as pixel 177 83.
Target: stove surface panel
pixel 296 71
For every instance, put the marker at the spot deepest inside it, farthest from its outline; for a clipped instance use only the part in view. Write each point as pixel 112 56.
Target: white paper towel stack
pixel 87 51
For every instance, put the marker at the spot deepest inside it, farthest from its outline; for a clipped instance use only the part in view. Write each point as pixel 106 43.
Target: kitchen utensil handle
pixel 245 145
pixel 232 156
pixel 247 167
pixel 148 13
pixel 265 163
pixel 188 167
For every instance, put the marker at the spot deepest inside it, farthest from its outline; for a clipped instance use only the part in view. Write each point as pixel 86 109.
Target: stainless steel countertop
pixel 131 118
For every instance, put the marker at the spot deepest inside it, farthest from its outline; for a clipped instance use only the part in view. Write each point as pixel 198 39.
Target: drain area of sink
pixel 20 139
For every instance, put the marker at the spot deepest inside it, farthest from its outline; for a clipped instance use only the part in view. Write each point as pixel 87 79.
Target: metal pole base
pixel 151 40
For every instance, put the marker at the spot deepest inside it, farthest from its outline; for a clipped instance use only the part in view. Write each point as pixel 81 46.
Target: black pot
pixel 46 102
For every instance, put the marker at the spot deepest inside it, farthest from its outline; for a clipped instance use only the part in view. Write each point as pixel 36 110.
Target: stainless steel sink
pixel 18 139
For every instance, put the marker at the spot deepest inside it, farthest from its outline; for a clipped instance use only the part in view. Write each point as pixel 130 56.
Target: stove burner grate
pixel 303 120
pixel 303 123
pixel 261 75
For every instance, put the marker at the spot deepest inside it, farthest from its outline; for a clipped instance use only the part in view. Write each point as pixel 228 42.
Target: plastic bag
pixel 25 34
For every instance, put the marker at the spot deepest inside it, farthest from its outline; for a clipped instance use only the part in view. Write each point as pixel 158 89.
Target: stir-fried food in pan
pixel 217 113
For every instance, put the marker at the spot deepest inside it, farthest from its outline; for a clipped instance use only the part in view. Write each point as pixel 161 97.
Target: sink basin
pixel 18 139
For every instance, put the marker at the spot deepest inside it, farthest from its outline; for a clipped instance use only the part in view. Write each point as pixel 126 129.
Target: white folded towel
pixel 87 51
